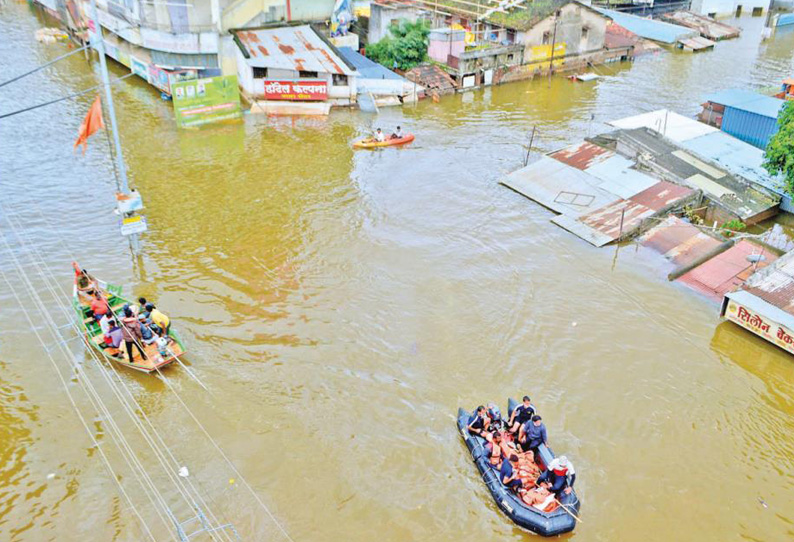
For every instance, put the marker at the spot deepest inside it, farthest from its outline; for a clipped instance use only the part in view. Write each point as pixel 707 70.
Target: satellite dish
pixel 755 258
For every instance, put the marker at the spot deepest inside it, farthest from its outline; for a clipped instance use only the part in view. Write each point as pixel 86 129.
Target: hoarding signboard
pixel 304 90
pixel 202 101
pixel 139 68
pixel 766 328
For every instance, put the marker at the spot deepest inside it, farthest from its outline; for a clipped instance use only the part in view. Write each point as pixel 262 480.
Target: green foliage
pixel 732 226
pixel 779 156
pixel 404 49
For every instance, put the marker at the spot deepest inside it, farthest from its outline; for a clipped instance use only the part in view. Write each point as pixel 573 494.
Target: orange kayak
pixel 369 143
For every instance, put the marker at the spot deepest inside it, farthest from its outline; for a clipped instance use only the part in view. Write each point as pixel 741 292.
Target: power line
pixel 69 97
pixel 34 70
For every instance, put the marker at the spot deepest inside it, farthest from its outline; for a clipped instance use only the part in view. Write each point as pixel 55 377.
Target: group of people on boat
pixel 512 449
pixel 379 136
pixel 135 325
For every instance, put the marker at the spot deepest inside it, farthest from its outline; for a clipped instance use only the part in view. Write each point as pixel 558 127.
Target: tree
pixel 404 49
pixel 779 156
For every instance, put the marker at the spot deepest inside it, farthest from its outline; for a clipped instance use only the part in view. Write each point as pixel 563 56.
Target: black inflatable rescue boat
pixel 551 523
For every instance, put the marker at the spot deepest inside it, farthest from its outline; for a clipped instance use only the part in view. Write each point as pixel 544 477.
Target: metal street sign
pixel 133 224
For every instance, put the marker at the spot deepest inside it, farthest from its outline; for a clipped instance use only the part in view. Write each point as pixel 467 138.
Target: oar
pixel 574 516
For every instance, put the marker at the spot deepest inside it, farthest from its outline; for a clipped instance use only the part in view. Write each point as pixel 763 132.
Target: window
pixel 739 10
pixel 339 80
pixel 511 36
pixel 546 38
pixel 307 75
pixel 585 33
pixel 712 15
pixel 510 57
pixel 757 12
pixel 260 73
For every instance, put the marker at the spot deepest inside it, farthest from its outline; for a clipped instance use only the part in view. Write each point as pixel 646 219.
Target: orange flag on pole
pixel 91 123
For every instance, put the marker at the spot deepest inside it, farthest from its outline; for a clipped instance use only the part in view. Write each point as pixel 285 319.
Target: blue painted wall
pixel 749 127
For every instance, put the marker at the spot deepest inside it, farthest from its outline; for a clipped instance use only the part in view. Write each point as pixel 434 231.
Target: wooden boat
pixel 92 333
pixel 371 143
pixel 560 520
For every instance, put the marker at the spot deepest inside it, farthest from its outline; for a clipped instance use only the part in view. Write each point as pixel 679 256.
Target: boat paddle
pixel 574 516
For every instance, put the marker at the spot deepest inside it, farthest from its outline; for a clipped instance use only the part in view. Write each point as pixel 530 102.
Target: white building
pixel 293 70
pixel 727 8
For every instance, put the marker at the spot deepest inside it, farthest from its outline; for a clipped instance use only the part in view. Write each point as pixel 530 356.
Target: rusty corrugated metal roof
pixel 607 219
pixel 582 155
pixel 679 241
pixel 294 48
pixel 728 270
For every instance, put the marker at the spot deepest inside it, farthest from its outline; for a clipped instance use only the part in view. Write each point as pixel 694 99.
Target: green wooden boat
pixel 92 333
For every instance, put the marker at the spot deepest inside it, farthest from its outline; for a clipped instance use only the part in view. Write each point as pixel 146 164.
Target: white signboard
pixel 133 224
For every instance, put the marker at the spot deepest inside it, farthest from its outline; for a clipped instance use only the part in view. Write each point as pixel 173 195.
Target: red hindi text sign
pixel 314 89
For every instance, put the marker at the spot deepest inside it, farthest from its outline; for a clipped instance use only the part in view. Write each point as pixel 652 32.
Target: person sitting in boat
pixel 158 318
pixel 379 136
pixel 397 134
pixel 147 334
pixel 532 434
pixel 99 306
pixel 497 423
pixel 495 450
pixel 162 347
pixel 560 474
pixel 508 473
pixel 540 497
pixel 479 421
pixel 113 337
pixel 142 304
pixel 521 414
pixel 85 284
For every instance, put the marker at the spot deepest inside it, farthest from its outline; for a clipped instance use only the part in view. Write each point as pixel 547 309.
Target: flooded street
pixel 340 306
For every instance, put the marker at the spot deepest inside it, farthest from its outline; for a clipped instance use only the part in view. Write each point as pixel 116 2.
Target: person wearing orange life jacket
pixel 494 450
pixel 560 474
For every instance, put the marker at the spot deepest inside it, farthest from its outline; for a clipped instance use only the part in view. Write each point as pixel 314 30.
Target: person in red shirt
pixel 99 306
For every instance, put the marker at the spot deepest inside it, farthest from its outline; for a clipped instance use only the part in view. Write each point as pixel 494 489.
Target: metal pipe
pixel 122 168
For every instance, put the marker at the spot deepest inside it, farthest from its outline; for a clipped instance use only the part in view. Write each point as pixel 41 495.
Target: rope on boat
pixel 184 405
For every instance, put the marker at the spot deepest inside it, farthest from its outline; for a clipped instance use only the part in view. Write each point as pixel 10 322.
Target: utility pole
pixel 553 43
pixel 124 186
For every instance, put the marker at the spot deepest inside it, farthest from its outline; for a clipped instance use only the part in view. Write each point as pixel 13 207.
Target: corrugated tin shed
pixel 728 270
pixel 625 216
pixel 668 123
pixel 747 100
pixel 648 28
pixel 433 78
pixel 582 155
pixel 679 241
pixel 754 128
pixel 708 27
pixel 775 284
pixel 696 43
pixel 295 48
pixel 559 187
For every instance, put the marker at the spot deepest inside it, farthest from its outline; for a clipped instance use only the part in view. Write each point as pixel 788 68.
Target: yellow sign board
pixel 771 331
pixel 540 53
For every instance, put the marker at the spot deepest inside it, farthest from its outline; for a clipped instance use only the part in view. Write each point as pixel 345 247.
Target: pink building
pixel 445 42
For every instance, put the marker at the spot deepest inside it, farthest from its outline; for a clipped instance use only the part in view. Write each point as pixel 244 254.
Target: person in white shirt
pixel 379 135
pixel 560 474
pixel 398 134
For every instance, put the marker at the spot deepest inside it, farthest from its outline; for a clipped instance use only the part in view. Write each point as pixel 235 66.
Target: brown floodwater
pixel 340 306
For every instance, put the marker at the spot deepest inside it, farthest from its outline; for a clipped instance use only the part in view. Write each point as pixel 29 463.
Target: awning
pixel 181 60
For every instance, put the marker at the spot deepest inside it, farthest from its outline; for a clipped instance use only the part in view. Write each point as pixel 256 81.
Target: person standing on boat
pixel 521 415
pixel 131 330
pixel 532 434
pixel 508 473
pixel 99 306
pixel 560 474
pixel 479 422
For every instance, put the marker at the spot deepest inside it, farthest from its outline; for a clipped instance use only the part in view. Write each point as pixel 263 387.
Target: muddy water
pixel 340 306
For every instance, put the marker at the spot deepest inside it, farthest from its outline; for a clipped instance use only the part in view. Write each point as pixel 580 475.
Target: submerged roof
pixel 366 67
pixel 296 48
pixel 648 28
pixel 747 100
pixel 775 284
pixel 668 123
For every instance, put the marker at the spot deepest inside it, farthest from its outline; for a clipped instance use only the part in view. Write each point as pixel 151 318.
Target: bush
pixel 779 155
pixel 404 49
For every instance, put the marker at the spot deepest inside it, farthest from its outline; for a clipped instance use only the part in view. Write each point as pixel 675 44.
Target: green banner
pixel 206 100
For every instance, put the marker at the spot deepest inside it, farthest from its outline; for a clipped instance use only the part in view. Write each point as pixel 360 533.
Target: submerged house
pixel 503 44
pixel 293 70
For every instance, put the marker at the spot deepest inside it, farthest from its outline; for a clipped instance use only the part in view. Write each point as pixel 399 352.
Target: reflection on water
pixel 341 305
